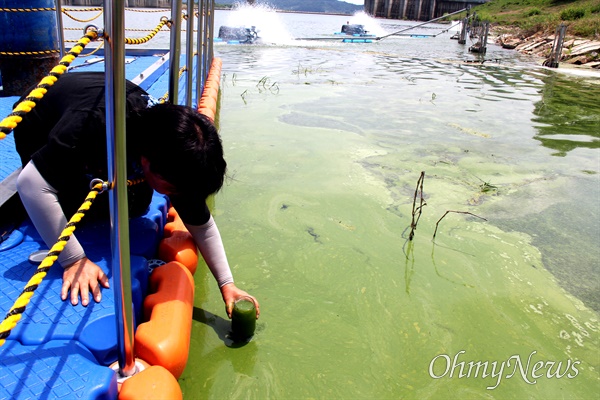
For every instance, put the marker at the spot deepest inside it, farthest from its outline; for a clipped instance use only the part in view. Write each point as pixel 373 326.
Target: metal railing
pixel 114 42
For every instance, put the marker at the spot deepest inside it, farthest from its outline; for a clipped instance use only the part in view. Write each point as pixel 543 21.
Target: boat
pixel 49 348
pixel 238 35
pixel 354 30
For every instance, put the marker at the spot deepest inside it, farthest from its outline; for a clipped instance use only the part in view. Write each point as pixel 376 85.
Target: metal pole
pixel 211 36
pixel 189 53
pixel 557 46
pixel 485 36
pixel 61 32
pixel 205 42
pixel 114 42
pixel 463 31
pixel 200 52
pixel 424 23
pixel 175 52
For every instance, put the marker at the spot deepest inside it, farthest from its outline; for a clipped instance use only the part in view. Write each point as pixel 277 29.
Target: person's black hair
pixel 183 147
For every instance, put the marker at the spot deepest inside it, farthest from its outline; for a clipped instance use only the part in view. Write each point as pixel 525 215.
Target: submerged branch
pixel 457 212
pixel 417 210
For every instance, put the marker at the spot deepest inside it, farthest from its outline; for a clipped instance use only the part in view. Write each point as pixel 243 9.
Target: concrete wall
pixel 416 10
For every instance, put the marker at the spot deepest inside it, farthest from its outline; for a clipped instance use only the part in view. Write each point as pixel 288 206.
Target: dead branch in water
pixel 416 211
pixel 457 212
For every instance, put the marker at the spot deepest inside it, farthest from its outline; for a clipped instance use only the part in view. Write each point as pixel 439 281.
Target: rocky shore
pixel 576 51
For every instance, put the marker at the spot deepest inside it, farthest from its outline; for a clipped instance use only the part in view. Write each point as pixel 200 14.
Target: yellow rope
pixel 91 53
pixel 133 41
pixel 16 311
pixel 127 29
pixel 83 9
pixel 6 126
pixel 28 53
pixel 14 314
pixel 163 21
pixel 82 20
pixel 27 9
pixel 165 97
pixel 16 116
pixel 75 9
pixel 147 11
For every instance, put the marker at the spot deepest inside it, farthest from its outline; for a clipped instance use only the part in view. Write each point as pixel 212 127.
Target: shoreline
pixel 577 53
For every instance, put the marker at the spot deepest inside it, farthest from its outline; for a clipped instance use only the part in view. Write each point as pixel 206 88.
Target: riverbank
pixel 576 50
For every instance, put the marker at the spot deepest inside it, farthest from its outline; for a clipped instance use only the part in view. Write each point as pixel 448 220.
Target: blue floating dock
pixel 47 317
pixel 56 350
pixel 60 369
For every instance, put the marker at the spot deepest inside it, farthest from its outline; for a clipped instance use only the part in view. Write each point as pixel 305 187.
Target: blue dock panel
pixel 60 369
pixel 56 350
pixel 48 320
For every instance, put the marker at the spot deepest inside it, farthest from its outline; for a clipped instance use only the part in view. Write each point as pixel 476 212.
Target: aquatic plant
pixel 417 210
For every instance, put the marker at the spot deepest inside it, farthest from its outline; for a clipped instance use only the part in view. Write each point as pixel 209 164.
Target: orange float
pixel 208 102
pixel 154 382
pixel 208 112
pixel 165 338
pixel 211 91
pixel 178 244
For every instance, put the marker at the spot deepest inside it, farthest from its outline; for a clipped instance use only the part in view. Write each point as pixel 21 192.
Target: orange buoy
pixel 212 82
pixel 177 243
pixel 208 102
pixel 211 90
pixel 207 112
pixel 210 94
pixel 174 222
pixel 165 338
pixel 154 382
pixel 181 247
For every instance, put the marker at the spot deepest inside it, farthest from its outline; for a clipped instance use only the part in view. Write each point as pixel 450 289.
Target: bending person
pixel 62 145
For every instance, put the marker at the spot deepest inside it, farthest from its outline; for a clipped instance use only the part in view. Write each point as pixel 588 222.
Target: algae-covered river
pixel 325 143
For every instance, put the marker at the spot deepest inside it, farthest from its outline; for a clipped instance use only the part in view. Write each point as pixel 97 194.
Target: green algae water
pixel 325 144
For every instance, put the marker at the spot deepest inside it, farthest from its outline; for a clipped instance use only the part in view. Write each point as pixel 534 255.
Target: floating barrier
pixel 165 338
pixel 208 103
pixel 178 244
pixel 154 382
pixel 357 41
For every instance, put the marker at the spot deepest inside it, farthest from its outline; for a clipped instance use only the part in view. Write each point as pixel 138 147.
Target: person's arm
pixel 40 200
pixel 209 242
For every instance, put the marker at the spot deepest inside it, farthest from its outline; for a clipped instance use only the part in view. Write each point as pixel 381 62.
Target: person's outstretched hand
pixel 81 277
pixel 231 293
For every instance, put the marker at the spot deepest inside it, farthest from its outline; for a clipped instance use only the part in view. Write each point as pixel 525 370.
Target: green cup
pixel 243 319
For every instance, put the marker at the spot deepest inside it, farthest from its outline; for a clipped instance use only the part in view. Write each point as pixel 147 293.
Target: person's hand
pixel 231 293
pixel 81 277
